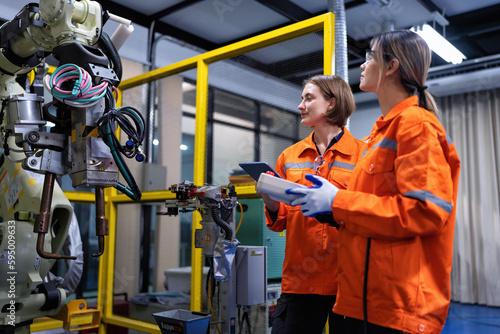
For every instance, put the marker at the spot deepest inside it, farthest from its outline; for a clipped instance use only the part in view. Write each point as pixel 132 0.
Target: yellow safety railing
pixel 324 22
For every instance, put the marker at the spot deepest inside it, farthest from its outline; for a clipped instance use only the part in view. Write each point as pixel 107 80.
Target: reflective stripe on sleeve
pixel 387 143
pixel 424 195
pixel 390 144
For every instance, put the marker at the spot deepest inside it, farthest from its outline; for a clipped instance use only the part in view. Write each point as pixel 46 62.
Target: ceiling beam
pixel 126 12
pixel 182 35
pixel 354 3
pixel 469 30
pixel 172 9
pixel 287 8
pixel 160 27
pixel 475 22
pixel 430 6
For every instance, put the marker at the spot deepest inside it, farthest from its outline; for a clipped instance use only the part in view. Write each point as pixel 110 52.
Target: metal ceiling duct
pixel 341 68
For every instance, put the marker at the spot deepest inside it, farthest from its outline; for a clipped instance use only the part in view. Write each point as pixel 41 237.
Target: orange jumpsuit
pixel 402 195
pixel 310 264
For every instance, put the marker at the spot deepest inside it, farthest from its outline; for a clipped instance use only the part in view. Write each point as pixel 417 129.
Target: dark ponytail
pixel 414 57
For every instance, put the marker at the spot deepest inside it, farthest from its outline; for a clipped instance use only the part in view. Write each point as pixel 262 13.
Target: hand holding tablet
pixel 276 188
pixel 254 169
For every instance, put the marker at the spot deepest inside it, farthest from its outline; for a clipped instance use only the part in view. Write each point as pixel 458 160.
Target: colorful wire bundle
pixel 72 85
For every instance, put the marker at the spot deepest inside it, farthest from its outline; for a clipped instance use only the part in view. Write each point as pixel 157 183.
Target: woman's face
pixel 313 105
pixel 369 80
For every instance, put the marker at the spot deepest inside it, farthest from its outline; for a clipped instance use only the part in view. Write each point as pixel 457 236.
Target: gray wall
pixel 361 122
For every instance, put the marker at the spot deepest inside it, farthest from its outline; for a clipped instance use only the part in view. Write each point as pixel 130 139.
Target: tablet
pixel 254 169
pixel 276 188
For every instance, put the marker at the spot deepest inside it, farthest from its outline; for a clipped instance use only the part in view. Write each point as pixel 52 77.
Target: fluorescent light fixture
pixel 439 44
pixel 183 147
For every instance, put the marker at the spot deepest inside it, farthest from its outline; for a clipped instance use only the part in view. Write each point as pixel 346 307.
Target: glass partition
pixel 218 104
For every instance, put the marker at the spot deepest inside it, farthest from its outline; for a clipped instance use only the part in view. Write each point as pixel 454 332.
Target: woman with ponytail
pixel 397 215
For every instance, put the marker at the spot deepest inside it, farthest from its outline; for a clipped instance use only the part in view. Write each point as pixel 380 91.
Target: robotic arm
pixel 35 214
pixel 217 206
pixel 38 29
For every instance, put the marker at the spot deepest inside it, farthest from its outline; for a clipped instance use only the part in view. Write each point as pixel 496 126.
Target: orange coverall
pixel 402 195
pixel 310 265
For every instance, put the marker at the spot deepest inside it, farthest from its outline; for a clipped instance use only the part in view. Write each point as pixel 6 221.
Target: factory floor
pixel 472 319
pixel 462 319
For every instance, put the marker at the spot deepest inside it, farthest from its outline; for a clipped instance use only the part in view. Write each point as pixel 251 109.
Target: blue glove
pixel 314 200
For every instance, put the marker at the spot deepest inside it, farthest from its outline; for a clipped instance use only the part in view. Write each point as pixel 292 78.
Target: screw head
pixel 33 136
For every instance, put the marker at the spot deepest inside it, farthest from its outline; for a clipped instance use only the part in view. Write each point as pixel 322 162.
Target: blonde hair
pixel 414 56
pixel 334 86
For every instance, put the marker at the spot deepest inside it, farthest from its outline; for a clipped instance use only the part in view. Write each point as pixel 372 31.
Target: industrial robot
pixel 72 133
pixel 217 205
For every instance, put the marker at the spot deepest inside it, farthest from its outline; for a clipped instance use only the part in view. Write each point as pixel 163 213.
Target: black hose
pixel 221 223
pixel 365 283
pixel 210 278
pixel 110 51
pixel 245 315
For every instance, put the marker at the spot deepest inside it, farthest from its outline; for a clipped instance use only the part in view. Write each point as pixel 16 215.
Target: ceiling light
pixel 156 142
pixel 183 147
pixel 439 44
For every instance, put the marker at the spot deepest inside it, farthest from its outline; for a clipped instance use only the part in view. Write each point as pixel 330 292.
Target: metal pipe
pixel 150 119
pixel 42 219
pixel 151 95
pixel 101 222
pixel 338 8
pixel 341 64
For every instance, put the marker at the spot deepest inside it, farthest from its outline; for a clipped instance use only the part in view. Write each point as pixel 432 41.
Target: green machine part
pixel 254 232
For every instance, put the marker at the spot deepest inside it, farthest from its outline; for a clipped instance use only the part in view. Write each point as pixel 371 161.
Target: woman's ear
pixel 333 103
pixel 392 66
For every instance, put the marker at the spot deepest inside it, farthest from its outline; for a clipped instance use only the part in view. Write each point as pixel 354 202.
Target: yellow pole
pixel 329 68
pixel 107 259
pixel 200 139
pixel 329 45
